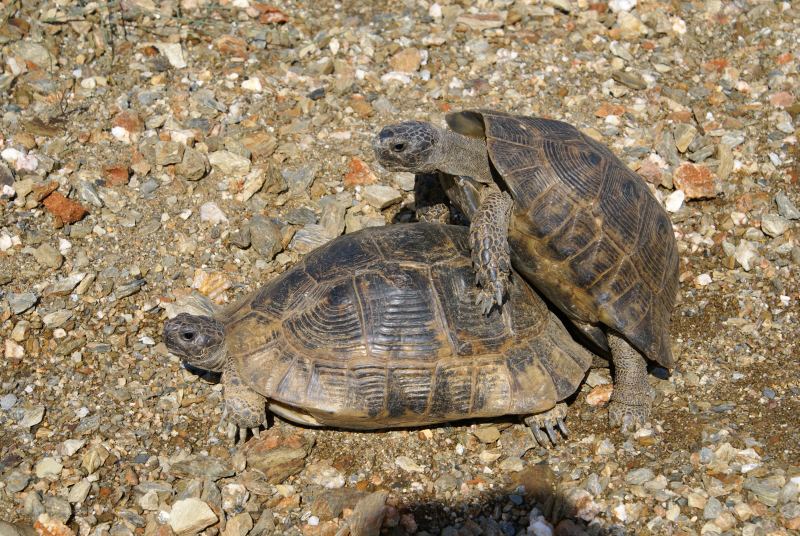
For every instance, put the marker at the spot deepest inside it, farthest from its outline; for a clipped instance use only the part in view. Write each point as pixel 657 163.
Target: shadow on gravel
pixel 536 511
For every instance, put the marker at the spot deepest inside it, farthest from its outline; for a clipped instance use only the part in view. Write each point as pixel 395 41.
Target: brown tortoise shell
pixel 585 231
pixel 379 328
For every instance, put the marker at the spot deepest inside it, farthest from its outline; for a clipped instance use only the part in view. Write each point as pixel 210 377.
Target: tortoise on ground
pixel 380 329
pixel 572 219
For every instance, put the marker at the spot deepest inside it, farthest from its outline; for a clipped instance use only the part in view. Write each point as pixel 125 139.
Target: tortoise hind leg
pixel 244 408
pixel 548 422
pixel 439 213
pixel 633 397
pixel 491 255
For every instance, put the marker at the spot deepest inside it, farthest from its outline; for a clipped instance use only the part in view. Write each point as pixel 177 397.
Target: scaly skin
pixel 439 213
pixel 491 254
pixel 632 398
pixel 548 422
pixel 244 408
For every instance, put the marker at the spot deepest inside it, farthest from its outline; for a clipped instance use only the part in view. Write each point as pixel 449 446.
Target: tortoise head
pixel 414 146
pixel 197 340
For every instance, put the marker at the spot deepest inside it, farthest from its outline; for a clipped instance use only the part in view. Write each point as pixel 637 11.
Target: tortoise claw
pixel 543 426
pixel 563 427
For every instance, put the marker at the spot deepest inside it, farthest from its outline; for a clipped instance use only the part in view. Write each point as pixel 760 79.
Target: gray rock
pixel 712 509
pixel 48 468
pixel 265 237
pixel 767 490
pixel 7 401
pixel 639 476
pixel 65 286
pixel 16 481
pixel 200 466
pixel 629 79
pixel 57 508
pixel 87 192
pixel 32 505
pixel 193 166
pixel 9 529
pixel 48 256
pixel 265 524
pixel 190 516
pixel 785 207
pixel 380 196
pixel 298 180
pixel 168 152
pixel 238 525
pixel 774 225
pixel 21 302
pixel 333 212
pixel 301 216
pixel 33 52
pixel 230 163
pixel 309 238
pixel 31 416
pixel 234 498
pixel 79 492
pixel 684 133
pixel 56 319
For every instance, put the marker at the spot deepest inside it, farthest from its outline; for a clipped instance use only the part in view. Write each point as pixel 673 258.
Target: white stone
pixel 190 516
pixel 229 162
pixel 13 350
pixel 746 254
pixel 674 201
pixel 621 5
pixel 173 52
pixel 79 492
pixel 121 134
pixel 5 242
pixel 435 11
pixel 212 214
pixel 149 501
pixel 774 225
pixel 11 155
pixel 48 468
pixel 703 279
pixel 252 84
pixel 380 196
pixel 407 464
pixel 71 446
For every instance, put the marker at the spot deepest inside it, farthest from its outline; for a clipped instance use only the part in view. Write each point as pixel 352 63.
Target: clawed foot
pixel 237 435
pixel 488 296
pixel 632 413
pixel 491 255
pixel 548 422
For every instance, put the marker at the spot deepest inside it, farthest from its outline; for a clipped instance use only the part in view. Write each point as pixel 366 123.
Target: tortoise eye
pixel 399 147
pixel 187 335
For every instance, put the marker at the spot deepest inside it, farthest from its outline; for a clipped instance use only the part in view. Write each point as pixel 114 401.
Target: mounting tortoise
pixel 570 217
pixel 380 329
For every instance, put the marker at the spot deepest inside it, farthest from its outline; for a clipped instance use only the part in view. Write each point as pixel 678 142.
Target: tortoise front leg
pixel 491 255
pixel 633 397
pixel 244 408
pixel 439 213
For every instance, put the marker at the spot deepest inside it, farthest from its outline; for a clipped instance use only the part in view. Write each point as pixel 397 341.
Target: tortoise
pixel 570 217
pixel 380 329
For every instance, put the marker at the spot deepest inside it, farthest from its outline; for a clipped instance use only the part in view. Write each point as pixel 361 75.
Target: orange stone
pixel 784 58
pixel 129 121
pixel 47 526
pixel 116 175
pixel 784 99
pixel 696 181
pixel 607 109
pixel 650 171
pixel 270 14
pixel 717 65
pixel 232 46
pixel 600 394
pixel 65 209
pixel 359 173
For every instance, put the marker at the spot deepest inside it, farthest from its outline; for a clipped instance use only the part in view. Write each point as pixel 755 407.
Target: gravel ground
pixel 154 147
